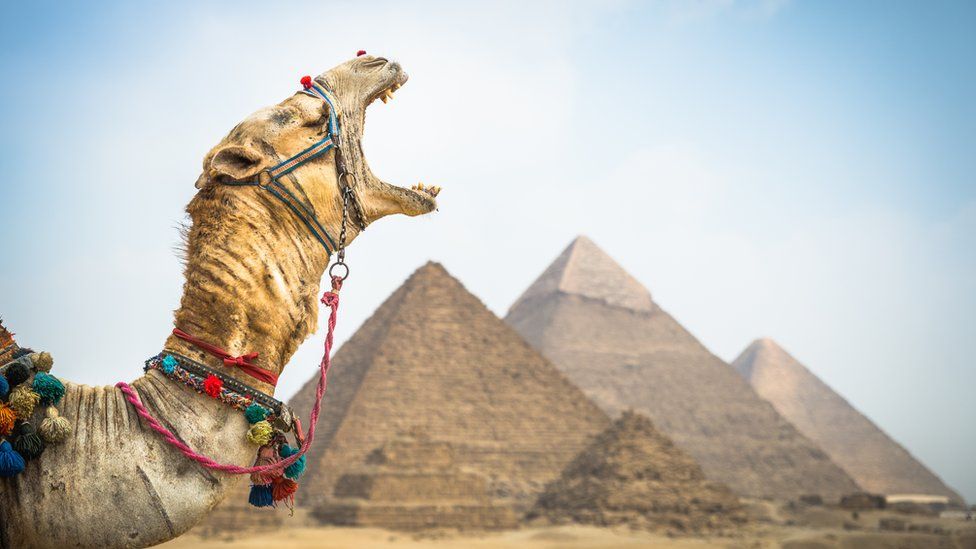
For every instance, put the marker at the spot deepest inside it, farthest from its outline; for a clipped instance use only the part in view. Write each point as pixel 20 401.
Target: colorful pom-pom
pixel 260 433
pixel 22 352
pixel 16 374
pixel 7 419
pixel 49 387
pixel 306 82
pixel 255 413
pixel 27 443
pixel 4 387
pixel 54 428
pixel 11 463
pixel 296 469
pixel 169 364
pixel 360 53
pixel 22 401
pixel 213 385
pixel 260 496
pixel 283 488
pixel 43 361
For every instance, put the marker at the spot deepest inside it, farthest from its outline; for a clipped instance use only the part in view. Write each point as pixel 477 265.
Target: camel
pixel 253 272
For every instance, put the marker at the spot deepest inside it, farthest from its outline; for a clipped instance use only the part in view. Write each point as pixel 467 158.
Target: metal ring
pixel 332 269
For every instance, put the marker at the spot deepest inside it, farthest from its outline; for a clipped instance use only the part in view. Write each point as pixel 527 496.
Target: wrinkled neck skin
pixel 253 272
pixel 252 283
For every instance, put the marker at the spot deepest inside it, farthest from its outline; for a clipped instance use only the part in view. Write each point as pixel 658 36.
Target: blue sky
pixel 798 170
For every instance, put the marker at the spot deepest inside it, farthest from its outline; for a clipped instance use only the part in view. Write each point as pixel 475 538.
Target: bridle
pixel 270 179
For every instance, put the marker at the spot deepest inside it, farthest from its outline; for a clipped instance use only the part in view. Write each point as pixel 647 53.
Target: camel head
pixel 275 133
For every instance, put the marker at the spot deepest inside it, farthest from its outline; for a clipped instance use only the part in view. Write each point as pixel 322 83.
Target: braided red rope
pixel 230 360
pixel 331 300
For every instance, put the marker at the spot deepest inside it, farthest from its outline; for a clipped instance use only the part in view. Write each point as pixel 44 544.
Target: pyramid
pixel 414 483
pixel 875 461
pixel 600 327
pixel 633 475
pixel 434 359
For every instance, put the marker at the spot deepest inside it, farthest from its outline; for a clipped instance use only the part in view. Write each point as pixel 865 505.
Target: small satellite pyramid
pixel 633 475
pixel 875 461
pixel 600 326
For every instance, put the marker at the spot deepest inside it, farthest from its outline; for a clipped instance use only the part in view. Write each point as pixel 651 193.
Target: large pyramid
pixel 601 327
pixel 875 461
pixel 633 475
pixel 433 359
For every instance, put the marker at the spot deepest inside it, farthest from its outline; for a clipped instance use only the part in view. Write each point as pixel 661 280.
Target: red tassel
pixel 283 488
pixel 360 53
pixel 212 385
pixel 306 82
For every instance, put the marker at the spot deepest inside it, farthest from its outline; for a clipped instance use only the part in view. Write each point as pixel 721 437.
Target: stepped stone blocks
pixel 601 327
pixel 413 483
pixel 434 359
pixel 875 461
pixel 633 475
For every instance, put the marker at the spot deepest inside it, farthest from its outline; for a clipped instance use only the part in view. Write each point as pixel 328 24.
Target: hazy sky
pixel 798 170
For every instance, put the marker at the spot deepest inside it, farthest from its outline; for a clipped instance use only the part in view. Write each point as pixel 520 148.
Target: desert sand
pixel 787 526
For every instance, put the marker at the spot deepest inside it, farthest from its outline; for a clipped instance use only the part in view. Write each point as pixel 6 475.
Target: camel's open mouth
pixel 423 195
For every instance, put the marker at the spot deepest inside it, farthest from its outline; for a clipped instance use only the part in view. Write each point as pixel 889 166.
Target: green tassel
pixel 295 470
pixel 49 387
pixel 255 413
pixel 27 443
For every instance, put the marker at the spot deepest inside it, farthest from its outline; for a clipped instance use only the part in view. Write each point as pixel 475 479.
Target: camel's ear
pixel 236 162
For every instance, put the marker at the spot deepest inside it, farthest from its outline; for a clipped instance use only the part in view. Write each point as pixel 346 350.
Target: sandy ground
pixel 772 527
pixel 568 537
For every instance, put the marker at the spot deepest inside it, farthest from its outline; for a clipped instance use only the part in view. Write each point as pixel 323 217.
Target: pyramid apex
pixel 765 344
pixel 431 269
pixel 586 270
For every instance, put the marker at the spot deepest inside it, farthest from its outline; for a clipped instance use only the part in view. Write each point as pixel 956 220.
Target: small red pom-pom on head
pixel 306 82
pixel 360 53
pixel 212 385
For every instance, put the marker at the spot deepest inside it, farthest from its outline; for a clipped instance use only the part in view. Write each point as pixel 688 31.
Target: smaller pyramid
pixel 633 475
pixel 414 483
pixel 876 462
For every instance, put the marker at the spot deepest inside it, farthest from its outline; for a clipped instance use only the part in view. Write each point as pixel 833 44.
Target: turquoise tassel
pixel 4 387
pixel 11 463
pixel 169 364
pixel 261 496
pixel 255 413
pixel 295 470
pixel 49 387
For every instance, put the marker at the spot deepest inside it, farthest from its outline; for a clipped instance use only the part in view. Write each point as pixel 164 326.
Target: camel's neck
pixel 252 278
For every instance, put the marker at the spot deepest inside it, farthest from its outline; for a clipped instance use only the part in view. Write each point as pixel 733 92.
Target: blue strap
pixel 277 189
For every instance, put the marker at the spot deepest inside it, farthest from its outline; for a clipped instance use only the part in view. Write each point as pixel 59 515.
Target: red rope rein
pixel 242 362
pixel 331 300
